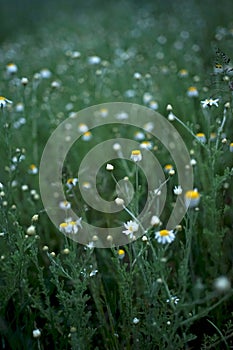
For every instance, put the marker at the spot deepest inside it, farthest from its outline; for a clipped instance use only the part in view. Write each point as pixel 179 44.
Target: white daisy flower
pixel 165 236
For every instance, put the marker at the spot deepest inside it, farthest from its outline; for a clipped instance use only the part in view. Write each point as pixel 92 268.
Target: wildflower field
pixel 116 149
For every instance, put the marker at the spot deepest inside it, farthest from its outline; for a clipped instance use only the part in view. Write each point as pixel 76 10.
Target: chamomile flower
pixel 139 135
pixel 86 185
pixel 31 230
pixel 45 73
pixel 136 156
pixel 210 102
pixel 213 136
pixel 119 201
pixel 87 136
pixel 155 221
pixel 165 236
pixel 171 116
pixel 218 68
pixel 121 253
pixel 109 167
pixel 4 102
pixel 82 128
pixel 183 73
pixel 103 112
pixel 177 190
pixel 147 97
pixel 173 300
pixel 92 60
pixel 19 107
pixel 153 105
pixel 90 245
pixel 122 115
pixel 131 228
pixel 11 68
pixel 201 137
pixel 192 198
pixel 231 147
pixel 71 182
pixel 137 76
pixel 192 91
pixel 146 145
pixel 70 226
pixel 93 273
pixel 136 320
pixel 36 333
pixel 24 81
pixel 33 169
pixel 64 205
pixel 168 168
pixel 222 284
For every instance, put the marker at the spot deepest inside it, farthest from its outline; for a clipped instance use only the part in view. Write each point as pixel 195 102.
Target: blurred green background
pixel 26 16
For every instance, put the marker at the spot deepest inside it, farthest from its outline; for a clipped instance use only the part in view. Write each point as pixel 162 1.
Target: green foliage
pixel 155 296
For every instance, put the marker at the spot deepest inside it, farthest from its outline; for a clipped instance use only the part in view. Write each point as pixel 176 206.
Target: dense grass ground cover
pixel 57 59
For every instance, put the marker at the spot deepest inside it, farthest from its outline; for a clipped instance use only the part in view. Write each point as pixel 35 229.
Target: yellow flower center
pixel 121 252
pixel 200 134
pixel 192 89
pixel 168 167
pixel 32 166
pixel 192 195
pixel 88 133
pixel 63 225
pixel 136 152
pixel 164 233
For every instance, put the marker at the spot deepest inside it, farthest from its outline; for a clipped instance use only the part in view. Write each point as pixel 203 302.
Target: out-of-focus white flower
pixel 177 190
pixel 136 156
pixel 210 102
pixel 4 102
pixel 131 227
pixel 36 333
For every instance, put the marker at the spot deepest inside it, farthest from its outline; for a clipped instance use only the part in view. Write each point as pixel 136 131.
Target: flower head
pixel 136 156
pixel 94 60
pixel 173 300
pixel 210 102
pixel 165 236
pixel 71 182
pixel 70 226
pixel 87 136
pixel 36 333
pixel 222 284
pixel 109 167
pixel 82 128
pixel 183 73
pixel 155 221
pixel 136 320
pixel 192 198
pixel 64 205
pixel 131 227
pixel 153 105
pixel 168 168
pixel 31 230
pixel 11 68
pixel 201 137
pixel 177 190
pixel 192 91
pixel 33 169
pixel 121 253
pixel 4 101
